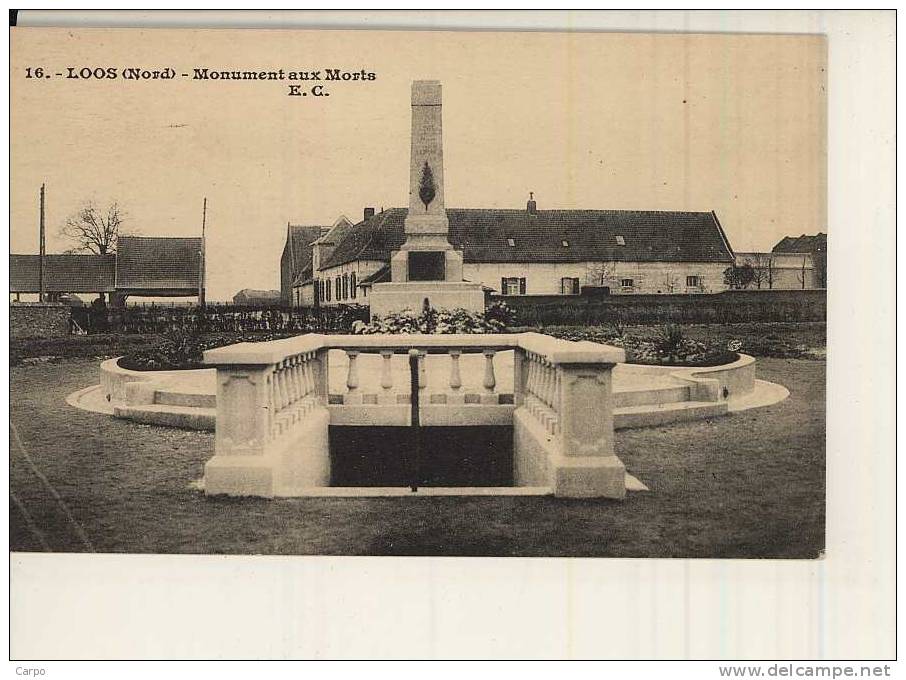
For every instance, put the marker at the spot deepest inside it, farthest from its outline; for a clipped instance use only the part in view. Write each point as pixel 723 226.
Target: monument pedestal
pixel 389 298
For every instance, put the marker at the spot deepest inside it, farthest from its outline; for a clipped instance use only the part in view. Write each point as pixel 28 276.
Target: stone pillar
pixel 240 465
pixel 587 465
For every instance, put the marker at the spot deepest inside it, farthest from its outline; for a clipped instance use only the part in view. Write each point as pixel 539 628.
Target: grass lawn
pixel 745 485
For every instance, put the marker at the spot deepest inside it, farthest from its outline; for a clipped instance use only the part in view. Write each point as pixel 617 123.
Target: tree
pixel 801 276
pixel 94 230
pixel 739 277
pixel 763 266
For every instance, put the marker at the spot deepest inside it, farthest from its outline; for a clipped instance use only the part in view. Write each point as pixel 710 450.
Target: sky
pixel 730 123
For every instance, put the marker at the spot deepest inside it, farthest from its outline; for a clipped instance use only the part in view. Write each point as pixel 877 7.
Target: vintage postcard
pixel 443 294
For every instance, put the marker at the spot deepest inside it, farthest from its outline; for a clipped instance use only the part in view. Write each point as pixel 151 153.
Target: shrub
pixel 668 347
pixel 178 349
pixel 496 319
pixel 670 338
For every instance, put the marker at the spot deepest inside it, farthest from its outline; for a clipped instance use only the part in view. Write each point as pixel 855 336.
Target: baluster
pixel 278 391
pixel 309 373
pixel 352 376
pixel 385 395
pixel 301 376
pixel 533 375
pixel 548 384
pixel 490 380
pixel 285 382
pixel 529 381
pixel 292 382
pixel 555 401
pixel 455 377
pixel 387 370
pixel 422 369
pixel 271 403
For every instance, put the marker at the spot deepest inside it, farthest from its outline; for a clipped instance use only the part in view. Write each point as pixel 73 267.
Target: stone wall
pixel 734 306
pixel 38 320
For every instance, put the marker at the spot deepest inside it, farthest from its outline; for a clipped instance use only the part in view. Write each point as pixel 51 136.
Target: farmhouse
pixel 530 252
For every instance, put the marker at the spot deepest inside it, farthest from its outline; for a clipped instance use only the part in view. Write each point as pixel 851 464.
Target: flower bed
pixel 667 347
pixel 182 350
pixel 495 319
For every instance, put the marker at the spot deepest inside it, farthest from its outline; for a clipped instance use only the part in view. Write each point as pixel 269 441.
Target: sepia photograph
pixel 479 295
pixel 452 335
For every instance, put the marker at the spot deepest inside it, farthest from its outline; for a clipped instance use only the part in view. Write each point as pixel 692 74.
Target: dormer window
pixel 564 243
pixel 620 240
pixel 511 242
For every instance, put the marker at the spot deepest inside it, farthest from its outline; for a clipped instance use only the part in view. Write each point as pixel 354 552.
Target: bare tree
pixel 801 276
pixel 763 265
pixel 94 230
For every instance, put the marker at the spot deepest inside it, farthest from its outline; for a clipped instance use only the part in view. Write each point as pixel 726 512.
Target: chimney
pixel 369 213
pixel 531 206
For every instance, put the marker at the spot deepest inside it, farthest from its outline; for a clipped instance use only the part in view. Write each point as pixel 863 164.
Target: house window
pixel 327 289
pixel 692 282
pixel 569 286
pixel 626 283
pixel 352 285
pixel 345 286
pixel 338 288
pixel 620 240
pixel 512 285
pixel 511 242
pixel 298 297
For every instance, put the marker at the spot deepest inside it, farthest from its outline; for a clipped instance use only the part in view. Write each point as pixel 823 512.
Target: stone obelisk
pixel 427 266
pixel 426 224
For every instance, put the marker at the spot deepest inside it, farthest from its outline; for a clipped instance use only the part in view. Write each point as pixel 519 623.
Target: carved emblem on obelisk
pixel 426 187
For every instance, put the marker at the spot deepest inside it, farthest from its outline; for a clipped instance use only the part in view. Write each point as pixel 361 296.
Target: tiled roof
pixel 153 262
pixel 486 235
pixel 300 237
pixel 816 243
pixel 379 276
pixel 303 276
pixel 255 294
pixel 62 273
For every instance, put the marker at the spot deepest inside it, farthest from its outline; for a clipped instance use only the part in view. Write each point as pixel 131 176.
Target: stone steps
pixel 185 417
pixel 174 397
pixel 649 415
pixel 653 396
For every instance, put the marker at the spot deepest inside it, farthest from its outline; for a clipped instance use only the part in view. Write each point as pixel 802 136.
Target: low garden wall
pixel 115 378
pixel 732 306
pixel 38 320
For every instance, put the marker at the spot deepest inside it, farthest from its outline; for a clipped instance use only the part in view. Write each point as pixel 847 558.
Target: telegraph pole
pixel 42 253
pixel 201 255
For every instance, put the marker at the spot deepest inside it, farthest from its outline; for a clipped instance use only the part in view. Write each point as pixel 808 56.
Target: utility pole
pixel 41 250
pixel 201 255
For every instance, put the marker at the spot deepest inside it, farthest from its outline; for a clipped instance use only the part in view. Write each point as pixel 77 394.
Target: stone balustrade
pixel 274 405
